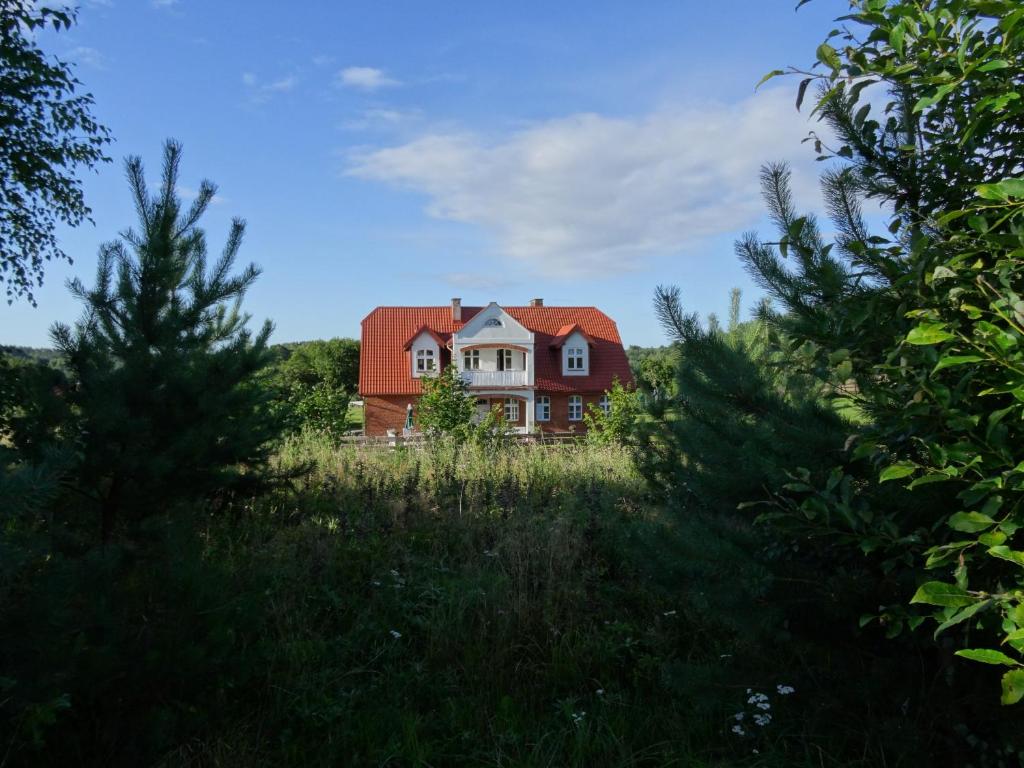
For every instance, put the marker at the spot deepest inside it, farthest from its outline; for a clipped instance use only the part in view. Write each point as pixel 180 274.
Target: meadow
pixel 501 605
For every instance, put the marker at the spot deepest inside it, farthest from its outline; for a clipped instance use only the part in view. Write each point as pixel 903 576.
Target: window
pixel 504 359
pixel 511 409
pixel 424 360
pixel 493 323
pixel 605 404
pixel 471 360
pixel 575 407
pixel 574 360
pixel 543 408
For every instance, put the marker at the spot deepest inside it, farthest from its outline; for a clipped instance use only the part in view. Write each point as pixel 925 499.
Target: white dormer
pixel 424 353
pixel 576 355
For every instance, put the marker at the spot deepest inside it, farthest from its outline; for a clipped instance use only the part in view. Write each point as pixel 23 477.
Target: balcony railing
pixel 495 378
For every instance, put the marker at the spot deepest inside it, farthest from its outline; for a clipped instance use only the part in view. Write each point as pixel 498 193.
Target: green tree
pixel 446 406
pixel 919 327
pixel 316 381
pixel 163 364
pixel 620 422
pixel 48 133
pixel 741 419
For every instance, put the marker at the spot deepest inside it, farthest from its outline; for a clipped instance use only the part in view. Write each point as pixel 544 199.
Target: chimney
pixel 536 302
pixel 457 310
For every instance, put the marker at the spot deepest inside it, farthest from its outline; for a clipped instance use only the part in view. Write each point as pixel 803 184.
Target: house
pixel 542 366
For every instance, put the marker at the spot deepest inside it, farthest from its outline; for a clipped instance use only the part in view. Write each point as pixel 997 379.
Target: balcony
pixel 495 378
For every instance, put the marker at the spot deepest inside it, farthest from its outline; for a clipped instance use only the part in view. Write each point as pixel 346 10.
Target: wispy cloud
pixel 365 78
pixel 590 195
pixel 163 3
pixel 262 91
pixel 382 118
pixel 86 56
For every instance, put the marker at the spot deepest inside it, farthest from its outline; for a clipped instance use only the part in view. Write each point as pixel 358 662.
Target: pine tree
pixel 163 364
pixel 739 422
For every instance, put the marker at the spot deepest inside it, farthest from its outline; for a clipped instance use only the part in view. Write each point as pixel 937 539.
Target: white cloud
pixel 261 92
pixel 365 78
pixel 382 118
pixel 86 56
pixel 595 195
pixel 163 3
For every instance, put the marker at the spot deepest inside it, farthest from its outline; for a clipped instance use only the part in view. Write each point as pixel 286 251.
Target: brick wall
pixel 384 412
pixel 560 412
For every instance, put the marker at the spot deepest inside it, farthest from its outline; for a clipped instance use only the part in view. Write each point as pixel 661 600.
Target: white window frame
pixel 511 409
pixel 605 404
pixel 576 357
pixel 575 407
pixel 425 361
pixel 543 408
pixel 505 360
pixel 471 359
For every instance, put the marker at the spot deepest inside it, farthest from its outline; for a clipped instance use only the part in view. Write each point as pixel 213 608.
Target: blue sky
pixel 407 152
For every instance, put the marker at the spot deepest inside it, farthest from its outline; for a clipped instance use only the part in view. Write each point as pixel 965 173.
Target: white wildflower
pixel 396 634
pixel 669 613
pixel 762 720
pixel 738 730
pixel 785 690
pixel 739 716
pixel 599 691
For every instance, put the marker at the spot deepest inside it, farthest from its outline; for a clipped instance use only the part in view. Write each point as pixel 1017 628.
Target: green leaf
pixel 1010 555
pixel 1013 687
pixel 827 55
pixel 950 360
pixel 961 616
pixel 991 66
pixel 896 471
pixel 970 522
pixel 769 76
pixel 1002 190
pixel 800 91
pixel 987 656
pixel 937 593
pixel 929 333
pixel 896 36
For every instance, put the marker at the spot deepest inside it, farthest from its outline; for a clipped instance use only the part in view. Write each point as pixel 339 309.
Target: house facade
pixel 541 366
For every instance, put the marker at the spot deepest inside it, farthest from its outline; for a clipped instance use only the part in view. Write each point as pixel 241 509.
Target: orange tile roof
pixel 565 332
pixel 385 367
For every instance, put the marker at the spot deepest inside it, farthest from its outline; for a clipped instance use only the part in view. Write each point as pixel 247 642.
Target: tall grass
pixel 502 605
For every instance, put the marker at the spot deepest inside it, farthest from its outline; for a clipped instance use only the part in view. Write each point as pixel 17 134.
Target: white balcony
pixel 495 378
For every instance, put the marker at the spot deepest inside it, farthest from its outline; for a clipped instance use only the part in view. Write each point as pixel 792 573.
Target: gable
pixel 492 323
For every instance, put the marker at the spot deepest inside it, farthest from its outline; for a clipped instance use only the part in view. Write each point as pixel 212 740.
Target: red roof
pixel 385 367
pixel 565 332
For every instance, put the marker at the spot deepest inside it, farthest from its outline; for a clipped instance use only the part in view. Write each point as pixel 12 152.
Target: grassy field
pixel 514 607
pixel 502 606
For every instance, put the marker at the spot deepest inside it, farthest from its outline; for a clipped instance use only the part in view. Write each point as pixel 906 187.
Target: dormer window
pixel 493 322
pixel 575 358
pixel 425 361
